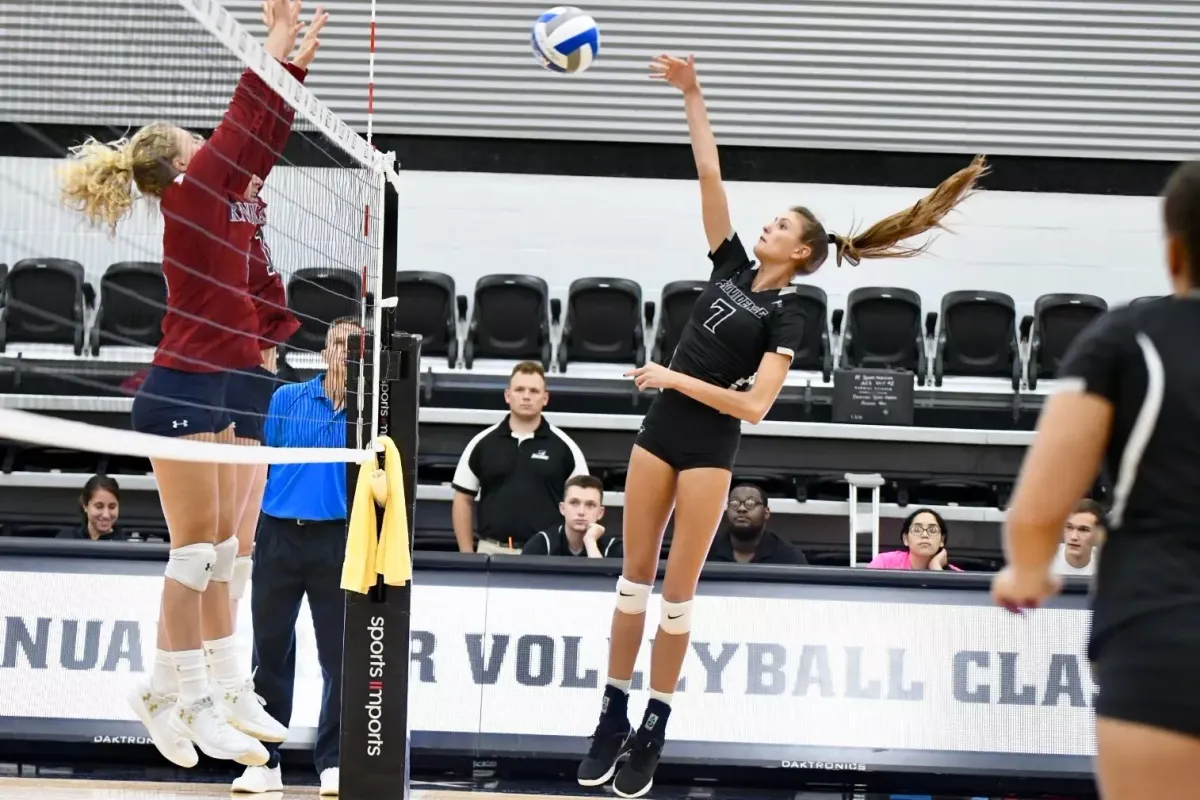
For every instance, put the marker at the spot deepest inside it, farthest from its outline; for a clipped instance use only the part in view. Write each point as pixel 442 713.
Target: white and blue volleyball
pixel 566 40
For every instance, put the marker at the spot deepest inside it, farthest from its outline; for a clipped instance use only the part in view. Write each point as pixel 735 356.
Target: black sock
pixel 614 707
pixel 654 722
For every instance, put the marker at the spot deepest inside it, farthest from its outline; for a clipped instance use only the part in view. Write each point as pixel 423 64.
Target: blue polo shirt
pixel 300 415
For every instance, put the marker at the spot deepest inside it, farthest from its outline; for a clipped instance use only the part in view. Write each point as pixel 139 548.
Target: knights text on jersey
pixel 731 325
pixel 1141 359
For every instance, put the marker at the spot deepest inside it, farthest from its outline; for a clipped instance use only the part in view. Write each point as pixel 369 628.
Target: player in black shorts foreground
pixel 729 366
pixel 1131 400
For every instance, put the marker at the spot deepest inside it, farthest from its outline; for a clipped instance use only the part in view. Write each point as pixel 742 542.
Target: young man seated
pixel 580 533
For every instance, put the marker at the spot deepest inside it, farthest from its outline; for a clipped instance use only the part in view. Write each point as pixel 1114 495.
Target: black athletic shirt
pixel 1144 360
pixel 731 326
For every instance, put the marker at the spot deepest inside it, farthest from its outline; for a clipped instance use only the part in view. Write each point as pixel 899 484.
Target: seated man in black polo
pixel 746 539
pixel 579 534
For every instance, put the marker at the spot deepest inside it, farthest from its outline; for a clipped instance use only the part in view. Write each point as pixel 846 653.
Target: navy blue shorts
pixel 248 395
pixel 175 403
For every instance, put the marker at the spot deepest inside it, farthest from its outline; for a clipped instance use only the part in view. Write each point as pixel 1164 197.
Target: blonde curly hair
pixel 97 179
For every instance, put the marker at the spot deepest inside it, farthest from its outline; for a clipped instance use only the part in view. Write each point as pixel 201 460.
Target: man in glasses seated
pixel 745 538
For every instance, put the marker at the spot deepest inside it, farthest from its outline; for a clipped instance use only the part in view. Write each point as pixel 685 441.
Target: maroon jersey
pixel 210 323
pixel 276 322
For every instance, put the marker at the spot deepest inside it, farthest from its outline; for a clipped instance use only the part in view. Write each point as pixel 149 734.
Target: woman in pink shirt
pixel 924 534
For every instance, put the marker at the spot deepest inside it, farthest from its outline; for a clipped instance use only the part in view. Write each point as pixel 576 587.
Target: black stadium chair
pixel 883 331
pixel 978 337
pixel 45 302
pixel 425 304
pixel 318 296
pixel 1149 298
pixel 133 298
pixel 603 324
pixel 678 298
pixel 1057 319
pixel 815 353
pixel 511 320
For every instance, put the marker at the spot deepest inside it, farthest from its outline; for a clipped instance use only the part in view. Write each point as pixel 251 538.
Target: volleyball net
pixel 83 302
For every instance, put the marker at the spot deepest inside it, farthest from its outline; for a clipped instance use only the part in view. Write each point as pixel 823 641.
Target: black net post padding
pixel 375 658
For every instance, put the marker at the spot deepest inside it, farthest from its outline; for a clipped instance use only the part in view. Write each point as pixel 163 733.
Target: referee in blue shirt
pixel 299 550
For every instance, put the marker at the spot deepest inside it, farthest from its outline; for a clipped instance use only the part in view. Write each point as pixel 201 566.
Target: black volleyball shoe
pixel 610 741
pixel 637 774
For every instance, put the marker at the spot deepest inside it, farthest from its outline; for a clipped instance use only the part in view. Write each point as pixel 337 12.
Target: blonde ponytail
pixel 97 181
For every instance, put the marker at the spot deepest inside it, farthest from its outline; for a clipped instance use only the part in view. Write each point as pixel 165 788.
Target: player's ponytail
pixel 885 239
pixel 98 178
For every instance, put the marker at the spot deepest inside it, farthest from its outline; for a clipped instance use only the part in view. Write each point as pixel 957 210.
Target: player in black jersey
pixel 1131 401
pixel 731 361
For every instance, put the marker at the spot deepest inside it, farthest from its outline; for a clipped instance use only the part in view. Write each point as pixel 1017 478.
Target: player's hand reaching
pixel 652 376
pixel 1016 590
pixel 282 11
pixel 282 18
pixel 312 39
pixel 679 73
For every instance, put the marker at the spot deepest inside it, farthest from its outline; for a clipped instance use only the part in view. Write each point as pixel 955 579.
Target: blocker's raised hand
pixel 312 39
pixel 676 71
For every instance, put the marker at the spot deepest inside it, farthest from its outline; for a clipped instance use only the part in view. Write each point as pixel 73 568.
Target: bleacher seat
pixel 425 304
pixel 603 324
pixel 883 331
pixel 815 352
pixel 510 320
pixel 133 297
pixel 1057 319
pixel 1149 298
pixel 675 307
pixel 977 337
pixel 318 296
pixel 45 302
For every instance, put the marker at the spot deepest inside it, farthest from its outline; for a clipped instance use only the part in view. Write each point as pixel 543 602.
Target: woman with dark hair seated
pixel 924 535
pixel 100 506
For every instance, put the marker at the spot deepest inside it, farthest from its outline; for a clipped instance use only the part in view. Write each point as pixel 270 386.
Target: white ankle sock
pixel 617 683
pixel 221 657
pixel 193 679
pixel 163 679
pixel 662 697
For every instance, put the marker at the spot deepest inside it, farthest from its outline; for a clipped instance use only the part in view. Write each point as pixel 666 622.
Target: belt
pixel 307 523
pixel 304 523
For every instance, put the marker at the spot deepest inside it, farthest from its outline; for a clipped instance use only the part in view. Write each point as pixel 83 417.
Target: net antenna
pixel 226 28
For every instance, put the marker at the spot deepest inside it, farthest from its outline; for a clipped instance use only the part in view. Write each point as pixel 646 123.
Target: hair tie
pixel 842 250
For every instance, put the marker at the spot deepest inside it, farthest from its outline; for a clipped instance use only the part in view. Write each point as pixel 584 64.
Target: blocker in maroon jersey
pixel 211 323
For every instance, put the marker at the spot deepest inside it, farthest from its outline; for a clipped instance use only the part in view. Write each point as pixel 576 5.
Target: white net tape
pixel 141 60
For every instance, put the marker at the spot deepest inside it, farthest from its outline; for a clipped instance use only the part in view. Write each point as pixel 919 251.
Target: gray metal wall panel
pixel 1045 77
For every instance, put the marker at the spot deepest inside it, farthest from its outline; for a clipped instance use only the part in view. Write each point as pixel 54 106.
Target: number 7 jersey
pixel 731 326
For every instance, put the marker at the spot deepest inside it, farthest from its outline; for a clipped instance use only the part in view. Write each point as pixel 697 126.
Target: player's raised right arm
pixel 713 204
pixel 227 159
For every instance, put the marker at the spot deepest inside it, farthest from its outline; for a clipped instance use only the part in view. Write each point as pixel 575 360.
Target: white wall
pixel 561 228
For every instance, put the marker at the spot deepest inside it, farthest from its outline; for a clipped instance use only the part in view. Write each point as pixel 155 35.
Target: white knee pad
pixel 192 565
pixel 222 571
pixel 676 618
pixel 242 567
pixel 632 598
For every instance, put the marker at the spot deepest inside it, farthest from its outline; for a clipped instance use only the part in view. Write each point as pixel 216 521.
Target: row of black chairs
pixel 975 334
pixel 46 301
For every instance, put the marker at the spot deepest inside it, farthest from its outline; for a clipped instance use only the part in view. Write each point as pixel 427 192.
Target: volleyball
pixel 565 39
